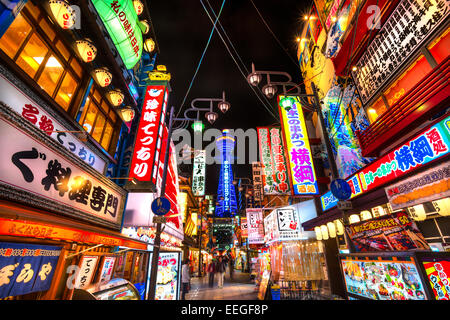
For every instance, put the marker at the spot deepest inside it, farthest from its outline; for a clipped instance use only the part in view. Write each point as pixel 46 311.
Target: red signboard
pixel 145 154
pixel 438 274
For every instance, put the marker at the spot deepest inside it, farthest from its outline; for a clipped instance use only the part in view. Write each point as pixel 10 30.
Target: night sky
pixel 182 30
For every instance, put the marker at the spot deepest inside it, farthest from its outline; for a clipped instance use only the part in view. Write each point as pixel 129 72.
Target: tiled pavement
pixel 239 288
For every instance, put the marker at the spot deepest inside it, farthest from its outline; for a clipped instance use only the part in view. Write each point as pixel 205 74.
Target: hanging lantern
pixel 127 114
pixel 63 14
pixel 149 45
pixel 211 117
pixel 324 231
pixel 269 90
pixel 331 229
pixel 442 207
pixel 144 26
pixel 102 76
pixel 339 227
pixel 198 126
pixel 417 212
pixel 287 103
pixel 318 233
pixel 354 218
pixel 378 211
pixel 115 97
pixel 86 50
pixel 138 6
pixel 366 215
pixel 223 106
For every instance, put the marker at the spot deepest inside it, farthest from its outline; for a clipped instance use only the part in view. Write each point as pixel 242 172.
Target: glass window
pixel 99 126
pixel 66 91
pixel 15 36
pixel 112 115
pixel 32 55
pixel 376 110
pixel 63 50
pixel 50 75
pixel 418 69
pixel 439 47
pixel 76 67
pixel 48 30
pixel 89 114
pixel 97 96
pixel 104 106
pixel 107 135
pixel 33 10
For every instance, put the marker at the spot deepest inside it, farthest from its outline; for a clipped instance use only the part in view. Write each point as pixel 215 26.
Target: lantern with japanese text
pixel 115 96
pixel 63 14
pixel 339 227
pixel 102 77
pixel 442 207
pixel 324 231
pixel 86 50
pixel 366 215
pixel 331 229
pixel 318 233
pixel 354 218
pixel 127 114
pixel 149 45
pixel 417 212
pixel 138 6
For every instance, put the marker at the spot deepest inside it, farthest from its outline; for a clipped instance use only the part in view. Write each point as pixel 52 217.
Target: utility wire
pixel 237 64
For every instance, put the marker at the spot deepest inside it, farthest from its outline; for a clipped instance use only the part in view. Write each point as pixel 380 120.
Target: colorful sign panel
pixel 32 166
pixel 394 232
pixel 271 151
pixel 404 31
pixel 383 279
pixel 26 268
pixel 258 190
pixel 168 277
pixel 198 175
pixel 121 21
pixel 255 226
pixel 107 269
pixel 86 271
pixel 282 224
pixel 430 185
pixel 432 144
pixel 438 271
pixel 244 228
pixel 144 156
pixel 301 164
pixel 30 110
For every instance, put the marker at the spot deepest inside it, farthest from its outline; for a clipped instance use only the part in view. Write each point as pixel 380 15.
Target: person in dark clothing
pixel 211 271
pixel 220 270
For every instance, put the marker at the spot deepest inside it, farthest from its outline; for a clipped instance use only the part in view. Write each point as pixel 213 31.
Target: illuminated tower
pixel 226 193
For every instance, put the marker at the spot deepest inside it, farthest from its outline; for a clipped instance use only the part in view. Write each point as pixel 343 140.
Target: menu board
pixel 438 271
pixel 168 277
pixel 385 279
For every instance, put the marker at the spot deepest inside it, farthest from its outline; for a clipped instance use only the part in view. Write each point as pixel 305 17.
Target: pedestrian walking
pixel 185 279
pixel 211 271
pixel 220 269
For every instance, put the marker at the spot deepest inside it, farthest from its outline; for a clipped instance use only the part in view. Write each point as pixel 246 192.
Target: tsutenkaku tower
pixel 226 193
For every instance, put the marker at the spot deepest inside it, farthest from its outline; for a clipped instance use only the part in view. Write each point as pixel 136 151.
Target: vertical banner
pixel 299 151
pixel 107 269
pixel 273 161
pixel 255 226
pixel 198 176
pixel 244 228
pixel 86 271
pixel 26 268
pixel 258 193
pixel 145 155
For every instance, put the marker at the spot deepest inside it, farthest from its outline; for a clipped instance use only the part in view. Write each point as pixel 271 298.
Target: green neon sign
pixel 122 23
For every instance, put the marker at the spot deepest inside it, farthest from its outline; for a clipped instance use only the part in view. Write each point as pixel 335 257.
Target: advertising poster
pixel 255 226
pixel 430 185
pixel 385 279
pixel 108 267
pixel 86 271
pixel 395 232
pixel 438 271
pixel 168 278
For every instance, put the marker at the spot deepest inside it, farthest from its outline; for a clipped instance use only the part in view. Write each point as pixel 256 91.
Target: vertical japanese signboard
pixel 301 165
pixel 144 155
pixel 198 176
pixel 255 226
pixel 257 181
pixel 26 268
pixel 273 161
pixel 411 23
pixel 86 271
pixel 437 270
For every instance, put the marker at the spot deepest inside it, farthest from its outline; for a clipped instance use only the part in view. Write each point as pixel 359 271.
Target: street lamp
pixel 157 241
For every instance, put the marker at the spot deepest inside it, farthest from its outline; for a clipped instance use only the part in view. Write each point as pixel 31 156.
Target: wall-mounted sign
pixel 244 228
pixel 86 271
pixel 301 164
pixel 107 269
pixel 30 110
pixel 198 175
pixel 258 190
pixel 26 268
pixel 427 186
pixel 432 144
pixel 31 166
pixel 255 225
pixel 121 21
pixel 438 273
pixel 282 224
pixel 404 31
pixel 144 156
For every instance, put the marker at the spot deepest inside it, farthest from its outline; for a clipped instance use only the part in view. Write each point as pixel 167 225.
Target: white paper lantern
pixel 138 6
pixel 331 229
pixel 417 212
pixel 366 215
pixel 318 233
pixel 378 211
pixel 324 231
pixel 86 50
pixel 63 14
pixel 442 207
pixel 127 114
pixel 339 227
pixel 354 218
pixel 115 97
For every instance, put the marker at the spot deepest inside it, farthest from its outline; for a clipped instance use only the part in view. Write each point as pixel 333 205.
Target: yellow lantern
pixel 378 211
pixel 149 45
pixel 102 76
pixel 115 97
pixel 442 206
pixel 318 233
pixel 138 6
pixel 331 229
pixel 63 14
pixel 127 114
pixel 86 50
pixel 417 212
pixel 354 218
pixel 324 231
pixel 339 227
pixel 366 215
pixel 145 27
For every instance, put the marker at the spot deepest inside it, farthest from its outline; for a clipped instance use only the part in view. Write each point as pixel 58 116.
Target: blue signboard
pixel 26 268
pixel 340 189
pixel 160 206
